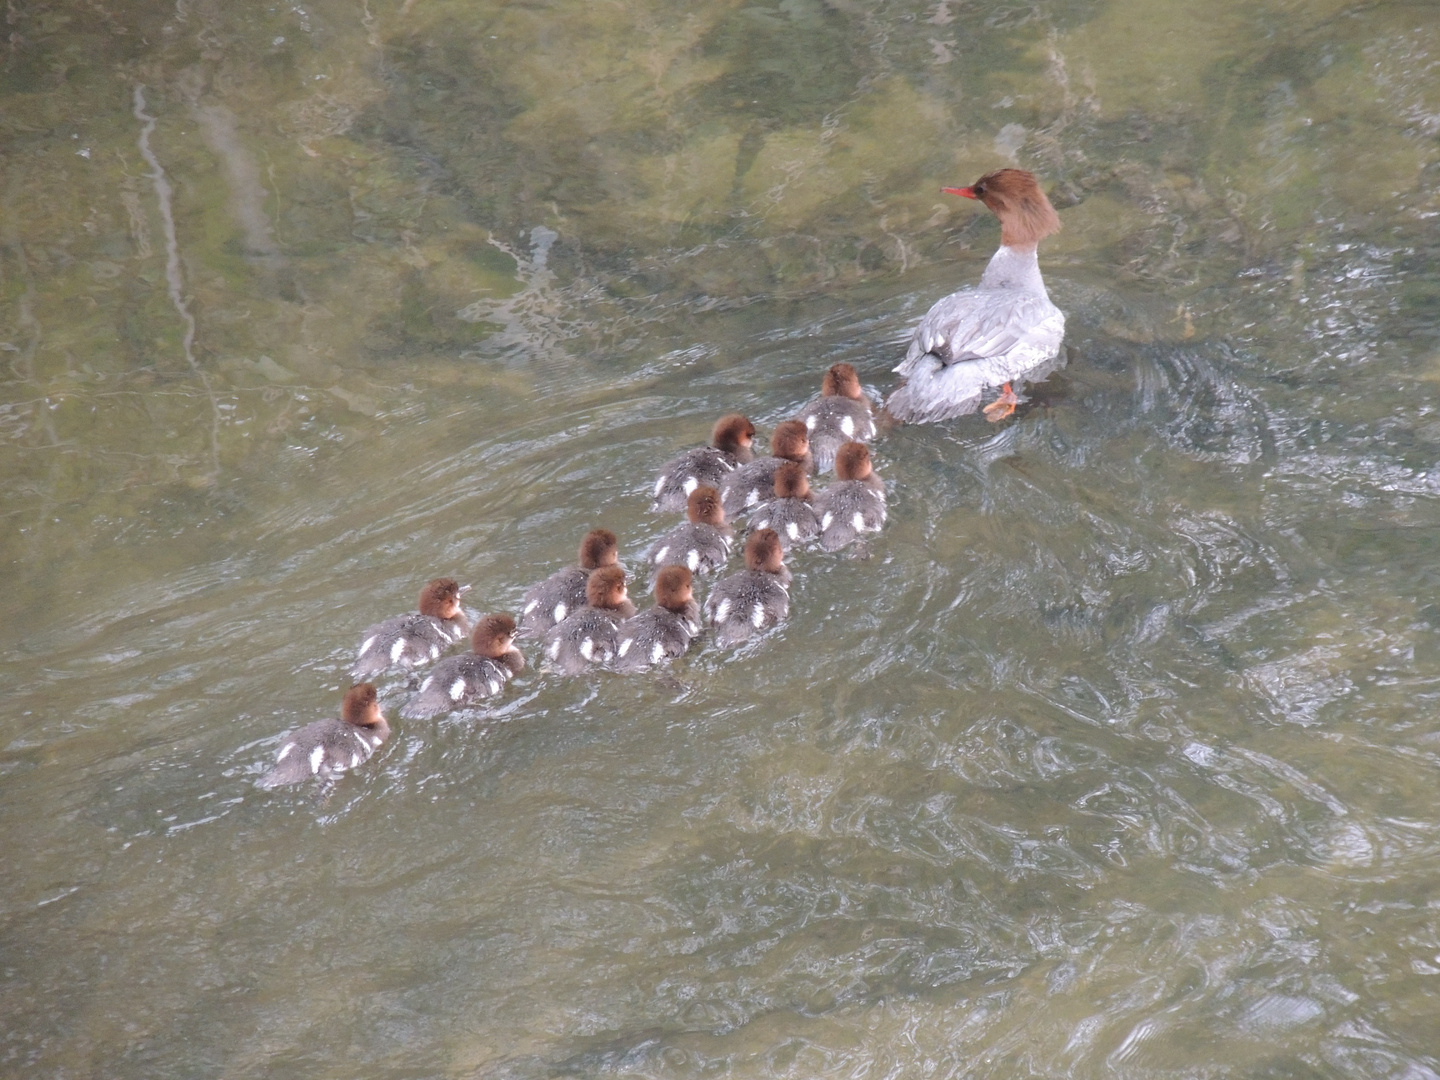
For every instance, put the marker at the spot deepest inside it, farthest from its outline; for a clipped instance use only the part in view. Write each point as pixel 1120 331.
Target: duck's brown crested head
pixel 674 588
pixel 790 440
pixel 704 508
pixel 791 482
pixel 841 381
pixel 1015 197
pixel 606 587
pixel 599 548
pixel 763 551
pixel 852 461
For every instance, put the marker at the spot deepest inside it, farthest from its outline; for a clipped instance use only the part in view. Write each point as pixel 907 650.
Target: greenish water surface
pixel 1119 755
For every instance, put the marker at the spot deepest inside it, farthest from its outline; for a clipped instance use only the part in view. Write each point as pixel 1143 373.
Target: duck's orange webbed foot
pixel 1002 406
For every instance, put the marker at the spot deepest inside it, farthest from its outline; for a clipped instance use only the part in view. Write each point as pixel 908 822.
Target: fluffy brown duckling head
pixel 493 636
pixel 790 440
pixel 441 598
pixel 606 588
pixel 733 434
pixel 599 548
pixel 361 706
pixel 841 381
pixel 763 551
pixel 674 588
pixel 852 462
pixel 791 482
pixel 1014 196
pixel 703 507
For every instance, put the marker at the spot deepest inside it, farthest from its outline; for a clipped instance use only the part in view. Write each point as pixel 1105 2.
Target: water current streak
pixel 173 275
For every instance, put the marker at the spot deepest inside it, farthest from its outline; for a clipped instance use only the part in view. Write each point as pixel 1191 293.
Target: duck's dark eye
pixel 979 189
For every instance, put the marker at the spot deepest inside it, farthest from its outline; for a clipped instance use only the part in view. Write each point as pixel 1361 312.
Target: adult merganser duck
pixel 750 485
pixel 666 630
pixel 839 415
pixel 755 599
pixel 589 635
pixel 562 592
pixel 409 640
pixel 328 748
pixel 855 503
pixel 730 445
pixel 789 513
pixel 458 681
pixel 703 543
pixel 1004 331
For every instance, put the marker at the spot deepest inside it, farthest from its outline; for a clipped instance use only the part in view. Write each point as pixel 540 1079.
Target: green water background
pixel 1119 756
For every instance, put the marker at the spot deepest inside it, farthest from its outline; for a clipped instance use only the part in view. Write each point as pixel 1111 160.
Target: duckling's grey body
pixel 682 475
pixel 848 508
pixel 655 636
pixel 587 637
pixel 833 421
pixel 553 600
pixel 324 749
pixel 458 681
pixel 745 603
pixel 406 641
pixel 701 548
pixel 793 520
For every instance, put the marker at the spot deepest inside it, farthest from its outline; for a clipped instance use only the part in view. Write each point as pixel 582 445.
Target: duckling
pixel 410 640
pixel 756 598
pixel 749 485
pixel 853 504
pixel 730 445
pixel 328 748
pixel 703 543
pixel 589 636
pixel 839 415
pixel 549 602
pixel 789 513
pixel 666 630
pixel 459 681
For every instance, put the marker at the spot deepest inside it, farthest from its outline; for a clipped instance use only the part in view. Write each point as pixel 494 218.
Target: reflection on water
pixel 1115 757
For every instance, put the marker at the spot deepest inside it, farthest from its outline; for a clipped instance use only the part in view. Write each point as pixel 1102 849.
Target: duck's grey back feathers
pixel 654 636
pixel 744 604
pixel 406 641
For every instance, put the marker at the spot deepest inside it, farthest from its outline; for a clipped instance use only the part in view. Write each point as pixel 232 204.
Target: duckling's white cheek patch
pixel 317 756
